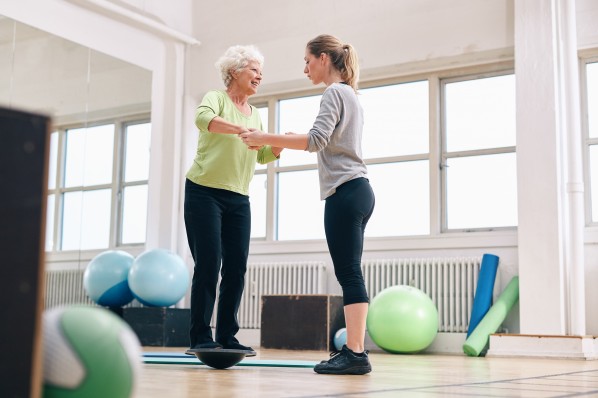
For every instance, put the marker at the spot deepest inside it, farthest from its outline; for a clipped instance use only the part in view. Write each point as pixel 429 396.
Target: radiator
pixel 276 278
pixel 65 287
pixel 450 283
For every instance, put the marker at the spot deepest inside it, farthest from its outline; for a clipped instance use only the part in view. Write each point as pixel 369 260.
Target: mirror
pixel 100 109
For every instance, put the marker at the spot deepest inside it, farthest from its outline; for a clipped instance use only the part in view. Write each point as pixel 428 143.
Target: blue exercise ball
pixel 402 319
pixel 340 338
pixel 158 278
pixel 105 278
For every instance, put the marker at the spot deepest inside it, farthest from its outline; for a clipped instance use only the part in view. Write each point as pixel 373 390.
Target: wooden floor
pixel 392 376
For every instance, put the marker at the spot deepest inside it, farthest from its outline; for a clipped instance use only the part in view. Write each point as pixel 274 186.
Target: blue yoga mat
pixel 169 358
pixel 482 300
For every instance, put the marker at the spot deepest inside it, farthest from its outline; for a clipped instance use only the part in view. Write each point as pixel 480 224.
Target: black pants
pixel 346 214
pixel 218 224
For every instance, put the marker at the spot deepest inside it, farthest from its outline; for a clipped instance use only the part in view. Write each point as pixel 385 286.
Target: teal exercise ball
pixel 340 338
pixel 402 319
pixel 105 278
pixel 89 352
pixel 158 278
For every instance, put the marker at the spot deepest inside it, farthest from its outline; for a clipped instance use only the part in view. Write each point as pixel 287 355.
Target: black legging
pixel 346 214
pixel 218 224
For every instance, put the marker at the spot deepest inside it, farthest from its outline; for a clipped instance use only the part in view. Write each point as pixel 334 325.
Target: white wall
pixel 386 33
pixel 392 38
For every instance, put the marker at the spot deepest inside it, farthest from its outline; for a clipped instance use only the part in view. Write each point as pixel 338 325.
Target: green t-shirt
pixel 223 161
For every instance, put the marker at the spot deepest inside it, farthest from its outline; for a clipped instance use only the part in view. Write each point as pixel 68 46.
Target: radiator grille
pixel 450 283
pixel 65 287
pixel 276 278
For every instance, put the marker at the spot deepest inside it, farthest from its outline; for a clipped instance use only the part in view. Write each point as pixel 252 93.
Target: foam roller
pixel 495 316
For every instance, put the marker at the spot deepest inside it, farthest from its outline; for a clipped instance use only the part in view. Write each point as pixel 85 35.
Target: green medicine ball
pixel 89 352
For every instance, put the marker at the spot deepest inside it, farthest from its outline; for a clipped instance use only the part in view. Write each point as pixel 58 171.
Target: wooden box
pixel 301 322
pixel 159 326
pixel 23 176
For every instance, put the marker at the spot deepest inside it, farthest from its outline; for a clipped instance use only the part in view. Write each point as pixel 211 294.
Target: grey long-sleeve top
pixel 336 136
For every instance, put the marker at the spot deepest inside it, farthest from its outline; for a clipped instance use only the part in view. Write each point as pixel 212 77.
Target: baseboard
pixel 541 346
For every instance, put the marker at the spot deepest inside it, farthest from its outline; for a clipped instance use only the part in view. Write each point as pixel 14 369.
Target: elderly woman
pixel 217 211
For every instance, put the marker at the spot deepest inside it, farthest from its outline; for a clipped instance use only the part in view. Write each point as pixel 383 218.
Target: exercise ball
pixel 158 278
pixel 402 319
pixel 340 338
pixel 89 352
pixel 105 278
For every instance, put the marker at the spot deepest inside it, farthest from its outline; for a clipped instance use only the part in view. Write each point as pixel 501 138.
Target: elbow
pixel 315 143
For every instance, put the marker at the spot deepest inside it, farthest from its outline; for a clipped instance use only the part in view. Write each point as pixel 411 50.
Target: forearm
pixel 220 125
pixel 290 141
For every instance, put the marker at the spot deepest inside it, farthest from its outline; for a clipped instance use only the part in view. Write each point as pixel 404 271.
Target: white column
pixel 574 178
pixel 549 169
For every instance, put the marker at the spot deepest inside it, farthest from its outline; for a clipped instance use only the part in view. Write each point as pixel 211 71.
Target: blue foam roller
pixel 482 300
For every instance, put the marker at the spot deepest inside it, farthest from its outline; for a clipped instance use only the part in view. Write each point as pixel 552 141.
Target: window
pixel 441 156
pixel 300 213
pixel 97 186
pixel 591 90
pixel 396 149
pixel 478 160
pixel 258 189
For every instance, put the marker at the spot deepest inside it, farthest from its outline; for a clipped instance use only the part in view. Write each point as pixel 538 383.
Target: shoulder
pixel 215 94
pixel 339 90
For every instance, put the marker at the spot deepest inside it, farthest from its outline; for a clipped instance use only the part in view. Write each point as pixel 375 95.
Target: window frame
pixel 446 155
pixel 586 58
pixel 485 237
pixel 116 185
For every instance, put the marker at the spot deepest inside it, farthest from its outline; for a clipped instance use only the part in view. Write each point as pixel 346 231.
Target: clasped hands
pixel 253 138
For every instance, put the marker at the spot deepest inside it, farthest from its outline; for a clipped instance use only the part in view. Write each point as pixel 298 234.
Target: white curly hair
pixel 236 58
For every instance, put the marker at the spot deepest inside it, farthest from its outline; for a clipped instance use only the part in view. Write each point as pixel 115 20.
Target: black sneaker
pixel 207 345
pixel 239 346
pixel 345 362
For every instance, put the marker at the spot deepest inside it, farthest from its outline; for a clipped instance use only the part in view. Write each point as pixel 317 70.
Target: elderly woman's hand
pixel 253 138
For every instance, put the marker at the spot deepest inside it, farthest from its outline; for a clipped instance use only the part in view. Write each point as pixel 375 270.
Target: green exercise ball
pixel 402 319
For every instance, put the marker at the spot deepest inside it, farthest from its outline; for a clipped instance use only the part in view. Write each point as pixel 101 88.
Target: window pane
pixel 263 110
pixel 257 198
pixel 396 119
pixel 50 223
pixel 594 180
pixel 297 115
pixel 480 113
pixel 53 160
pixel 402 199
pixel 134 214
pixel 89 156
pixel 264 116
pixel 137 152
pixel 86 220
pixel 300 210
pixel 592 81
pixel 482 191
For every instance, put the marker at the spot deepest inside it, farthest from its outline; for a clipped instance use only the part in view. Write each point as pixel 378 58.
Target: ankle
pixel 357 350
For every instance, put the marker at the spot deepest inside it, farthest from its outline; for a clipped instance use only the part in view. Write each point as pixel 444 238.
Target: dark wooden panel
pixel 301 322
pixel 159 326
pixel 24 142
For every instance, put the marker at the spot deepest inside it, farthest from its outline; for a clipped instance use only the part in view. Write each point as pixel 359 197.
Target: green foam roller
pixel 477 340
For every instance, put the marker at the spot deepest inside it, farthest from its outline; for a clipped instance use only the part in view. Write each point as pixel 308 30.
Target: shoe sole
pixel 356 370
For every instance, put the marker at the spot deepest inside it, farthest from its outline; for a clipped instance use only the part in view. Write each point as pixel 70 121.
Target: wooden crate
pixel 301 322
